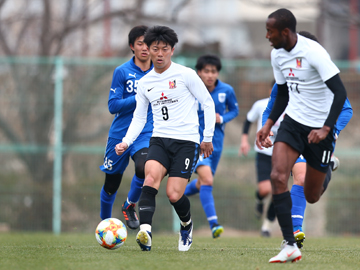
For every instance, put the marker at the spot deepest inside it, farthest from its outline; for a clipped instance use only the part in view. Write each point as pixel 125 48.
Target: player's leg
pixel 155 170
pixel 184 155
pixel 113 167
pixel 298 200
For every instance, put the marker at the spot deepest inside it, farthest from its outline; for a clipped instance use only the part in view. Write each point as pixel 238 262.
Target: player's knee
pixel 112 183
pixel 312 198
pixel 208 181
pixel 173 196
pixel 279 180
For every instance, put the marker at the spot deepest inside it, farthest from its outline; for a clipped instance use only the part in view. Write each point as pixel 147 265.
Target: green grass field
pixel 71 251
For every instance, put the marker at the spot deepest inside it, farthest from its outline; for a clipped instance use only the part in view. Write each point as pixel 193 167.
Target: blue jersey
pixel 122 99
pixel 343 119
pixel 226 105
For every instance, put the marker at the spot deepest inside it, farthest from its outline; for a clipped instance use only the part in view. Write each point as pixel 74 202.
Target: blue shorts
pixel 300 159
pixel 211 161
pixel 114 164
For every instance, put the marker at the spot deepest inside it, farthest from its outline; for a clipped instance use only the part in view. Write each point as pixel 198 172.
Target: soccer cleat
pixel 288 253
pixel 130 216
pixel 336 163
pixel 300 238
pixel 217 230
pixel 185 239
pixel 259 209
pixel 265 233
pixel 143 238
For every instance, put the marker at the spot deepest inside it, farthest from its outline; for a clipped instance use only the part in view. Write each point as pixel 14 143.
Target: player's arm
pixel 270 104
pixel 116 102
pixel 232 107
pixel 344 117
pixel 199 91
pixel 244 143
pixel 138 121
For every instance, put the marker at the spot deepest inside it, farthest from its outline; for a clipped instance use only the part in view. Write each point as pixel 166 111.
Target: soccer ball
pixel 111 233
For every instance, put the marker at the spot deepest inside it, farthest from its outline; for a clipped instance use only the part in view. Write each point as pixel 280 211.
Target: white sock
pixel 145 227
pixel 266 225
pixel 184 224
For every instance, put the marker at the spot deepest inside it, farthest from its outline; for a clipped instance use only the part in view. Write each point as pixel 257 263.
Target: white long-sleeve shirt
pixel 173 94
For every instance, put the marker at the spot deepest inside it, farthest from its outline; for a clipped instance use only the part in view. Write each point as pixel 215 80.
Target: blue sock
pixel 191 188
pixel 106 204
pixel 135 190
pixel 208 204
pixel 298 206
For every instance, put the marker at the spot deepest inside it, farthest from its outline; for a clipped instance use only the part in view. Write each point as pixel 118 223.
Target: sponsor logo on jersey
pixel 163 96
pixel 172 84
pixel 291 73
pixel 222 97
pixel 132 75
pixel 298 62
pixel 151 89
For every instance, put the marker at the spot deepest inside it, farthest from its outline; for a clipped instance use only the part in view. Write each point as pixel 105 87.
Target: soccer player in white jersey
pixel 310 88
pixel 173 91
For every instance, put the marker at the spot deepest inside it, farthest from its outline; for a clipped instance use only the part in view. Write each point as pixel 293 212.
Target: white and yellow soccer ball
pixel 111 233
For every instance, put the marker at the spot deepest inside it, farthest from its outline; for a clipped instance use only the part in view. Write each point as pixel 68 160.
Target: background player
pixel 226 107
pixel 304 71
pixel 122 104
pixel 263 164
pixel 172 90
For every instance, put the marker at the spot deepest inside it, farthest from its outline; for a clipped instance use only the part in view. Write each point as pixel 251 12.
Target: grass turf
pixel 81 251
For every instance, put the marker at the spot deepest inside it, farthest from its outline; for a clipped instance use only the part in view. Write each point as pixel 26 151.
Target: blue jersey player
pixel 226 107
pixel 122 104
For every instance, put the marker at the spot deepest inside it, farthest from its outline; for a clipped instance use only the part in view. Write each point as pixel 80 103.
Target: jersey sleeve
pixel 270 104
pixel 116 102
pixel 321 61
pixel 344 117
pixel 199 91
pixel 254 112
pixel 139 118
pixel 232 106
pixel 279 77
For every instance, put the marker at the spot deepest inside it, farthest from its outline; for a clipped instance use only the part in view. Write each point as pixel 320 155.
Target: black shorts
pixel 179 157
pixel 317 155
pixel 263 167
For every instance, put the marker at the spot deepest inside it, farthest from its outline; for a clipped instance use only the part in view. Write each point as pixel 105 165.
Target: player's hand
pixel 206 149
pixel 244 148
pixel 218 118
pixel 267 142
pixel 261 136
pixel 317 135
pixel 120 148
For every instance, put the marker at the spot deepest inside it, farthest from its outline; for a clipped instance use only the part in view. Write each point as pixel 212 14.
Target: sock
pixel 208 204
pixel 271 215
pixel 182 208
pixel 327 177
pixel 147 205
pixel 282 203
pixel 298 206
pixel 191 188
pixel 106 203
pixel 266 225
pixel 135 190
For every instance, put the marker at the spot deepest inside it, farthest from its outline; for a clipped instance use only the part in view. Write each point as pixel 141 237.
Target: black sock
pixel 182 208
pixel 271 212
pixel 328 176
pixel 147 204
pixel 258 197
pixel 283 204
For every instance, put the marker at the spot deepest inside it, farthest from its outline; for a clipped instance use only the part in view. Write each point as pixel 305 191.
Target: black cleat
pixel 130 216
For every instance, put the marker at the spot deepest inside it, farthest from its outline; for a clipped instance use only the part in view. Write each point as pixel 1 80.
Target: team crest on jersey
pixel 298 62
pixel 172 84
pixel 222 97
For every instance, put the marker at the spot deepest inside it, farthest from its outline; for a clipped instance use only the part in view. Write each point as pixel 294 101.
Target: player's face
pixel 140 49
pixel 275 37
pixel 160 54
pixel 209 75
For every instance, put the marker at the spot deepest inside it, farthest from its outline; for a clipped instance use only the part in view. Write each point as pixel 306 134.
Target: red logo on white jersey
pixel 291 73
pixel 163 96
pixel 298 62
pixel 172 84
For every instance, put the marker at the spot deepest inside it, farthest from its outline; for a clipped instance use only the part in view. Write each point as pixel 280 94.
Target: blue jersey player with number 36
pixel 122 104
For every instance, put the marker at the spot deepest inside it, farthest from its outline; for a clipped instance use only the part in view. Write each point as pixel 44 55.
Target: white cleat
pixel 143 238
pixel 185 239
pixel 288 253
pixel 336 163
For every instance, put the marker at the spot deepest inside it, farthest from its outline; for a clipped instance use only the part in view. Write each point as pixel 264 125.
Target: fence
pixel 53 129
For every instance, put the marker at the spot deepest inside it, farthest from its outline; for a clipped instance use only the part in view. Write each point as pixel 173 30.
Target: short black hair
pixel 308 35
pixel 161 33
pixel 284 19
pixel 136 32
pixel 208 59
